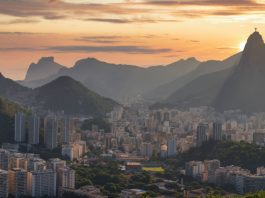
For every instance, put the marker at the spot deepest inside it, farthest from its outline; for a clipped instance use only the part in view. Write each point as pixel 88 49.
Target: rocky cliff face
pixel 245 88
pixel 43 69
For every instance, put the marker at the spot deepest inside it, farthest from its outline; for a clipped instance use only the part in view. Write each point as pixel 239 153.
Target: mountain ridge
pixel 79 101
pixel 44 68
pixel 134 80
pixel 236 88
pixel 163 92
pixel 62 94
pixel 243 90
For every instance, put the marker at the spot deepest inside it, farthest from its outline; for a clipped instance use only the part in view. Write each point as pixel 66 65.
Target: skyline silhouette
pixel 137 32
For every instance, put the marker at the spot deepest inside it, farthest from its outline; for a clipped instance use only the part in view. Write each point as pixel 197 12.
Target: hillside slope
pixel 70 96
pixel 7 119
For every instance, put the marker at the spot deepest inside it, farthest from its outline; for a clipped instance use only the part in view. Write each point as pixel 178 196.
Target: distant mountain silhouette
pixel 200 92
pixel 43 69
pixel 120 81
pixel 70 96
pixel 170 90
pixel 62 94
pixel 238 87
pixel 12 90
pixel 244 89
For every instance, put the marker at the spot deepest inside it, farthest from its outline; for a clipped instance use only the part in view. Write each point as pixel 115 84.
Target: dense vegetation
pixel 260 194
pixel 107 176
pixel 110 179
pixel 7 114
pixel 66 94
pixel 12 90
pixel 63 94
pixel 249 156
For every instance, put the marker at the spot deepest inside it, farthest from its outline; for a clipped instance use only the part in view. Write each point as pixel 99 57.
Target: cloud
pixel 226 48
pixel 193 41
pixel 124 12
pixel 170 56
pixel 102 39
pixel 19 33
pixel 112 39
pixel 58 9
pixel 134 20
pixel 19 21
pixel 109 20
pixel 130 49
pixel 202 2
pixel 197 8
pixel 15 49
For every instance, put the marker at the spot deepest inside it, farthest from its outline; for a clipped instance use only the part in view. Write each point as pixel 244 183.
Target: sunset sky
pixel 141 32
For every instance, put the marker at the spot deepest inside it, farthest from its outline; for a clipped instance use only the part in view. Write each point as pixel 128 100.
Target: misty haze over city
pixel 132 98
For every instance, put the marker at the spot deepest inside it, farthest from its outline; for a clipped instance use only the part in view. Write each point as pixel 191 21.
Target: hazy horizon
pixel 136 32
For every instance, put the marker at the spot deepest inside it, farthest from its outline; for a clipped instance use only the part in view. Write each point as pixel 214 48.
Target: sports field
pixel 153 169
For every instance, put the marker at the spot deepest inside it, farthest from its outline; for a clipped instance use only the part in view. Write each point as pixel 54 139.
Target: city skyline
pixel 139 32
pixel 132 98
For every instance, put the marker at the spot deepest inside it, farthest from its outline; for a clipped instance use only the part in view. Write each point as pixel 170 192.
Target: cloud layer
pixel 125 11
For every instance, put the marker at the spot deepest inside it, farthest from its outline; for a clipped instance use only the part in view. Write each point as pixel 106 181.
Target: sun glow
pixel 242 45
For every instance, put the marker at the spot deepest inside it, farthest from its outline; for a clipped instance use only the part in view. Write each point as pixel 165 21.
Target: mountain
pixel 62 94
pixel 12 90
pixel 200 92
pixel 7 116
pixel 238 87
pixel 70 96
pixel 120 81
pixel 43 69
pixel 170 89
pixel 244 89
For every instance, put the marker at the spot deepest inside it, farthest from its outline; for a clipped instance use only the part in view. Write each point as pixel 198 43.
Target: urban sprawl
pixel 135 136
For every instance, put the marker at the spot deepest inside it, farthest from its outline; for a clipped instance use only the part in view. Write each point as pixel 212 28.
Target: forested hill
pixel 7 119
pixel 241 154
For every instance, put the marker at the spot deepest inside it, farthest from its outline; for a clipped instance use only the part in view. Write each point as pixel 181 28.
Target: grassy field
pixel 154 169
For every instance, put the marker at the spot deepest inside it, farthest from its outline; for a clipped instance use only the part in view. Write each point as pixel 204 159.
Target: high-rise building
pixel 3 183
pixel 20 129
pixel 107 140
pixel 163 150
pixel 66 129
pixel 261 171
pixel 259 138
pixel 4 159
pixel 66 178
pixel 217 131
pixel 42 183
pixel 34 130
pixel 201 133
pixel 68 151
pixel 194 168
pixel 73 151
pixel 18 182
pixel 171 148
pixel 50 132
pixel 18 160
pixel 147 149
pixel 36 163
pixel 75 137
pixel 82 145
pixel 210 167
pixel 56 163
pixel 166 116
